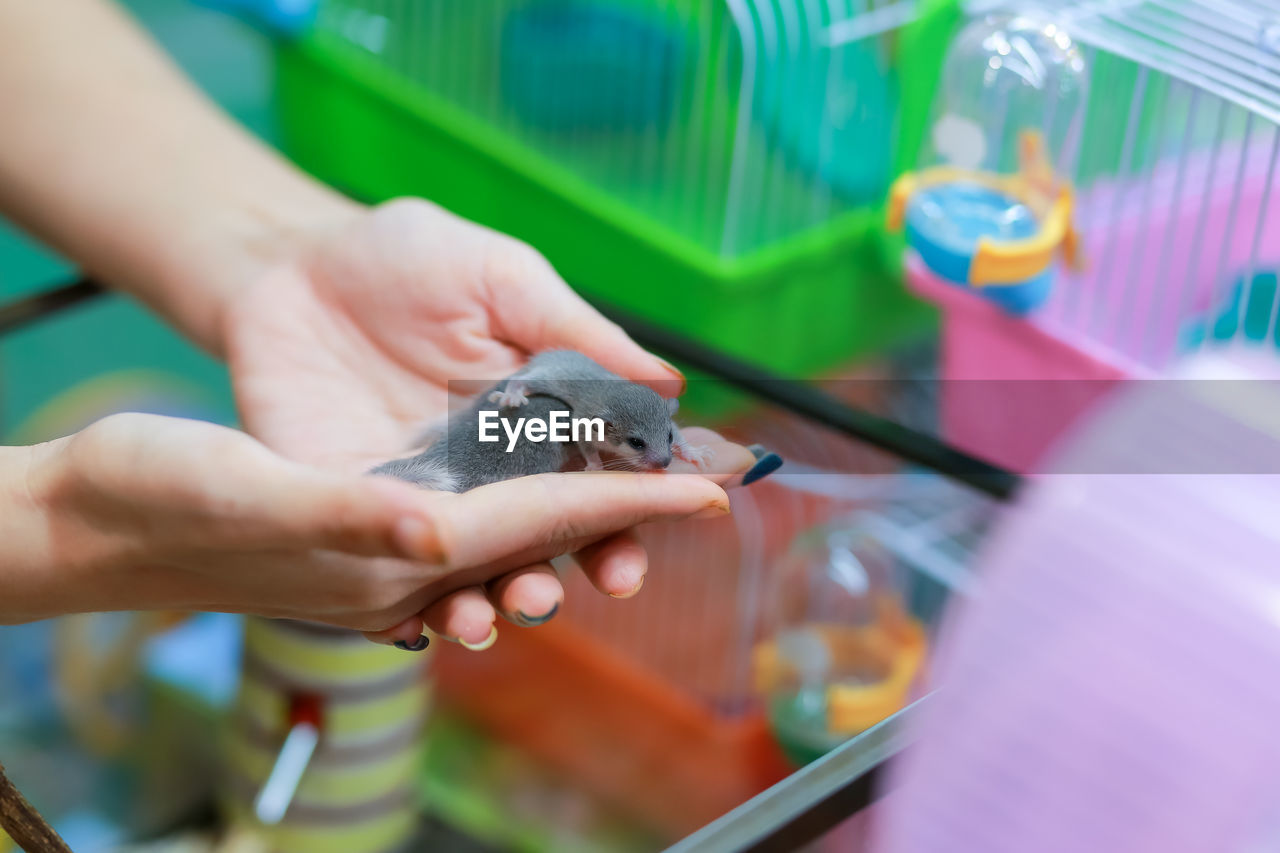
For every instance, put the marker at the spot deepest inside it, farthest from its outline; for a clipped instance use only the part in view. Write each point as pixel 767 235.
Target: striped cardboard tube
pixel 357 794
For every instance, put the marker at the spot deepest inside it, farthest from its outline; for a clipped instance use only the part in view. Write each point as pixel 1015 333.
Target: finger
pixel 355 515
pixel 615 565
pixel 409 635
pixel 543 312
pixel 545 513
pixel 580 327
pixel 528 597
pixel 218 485
pixel 465 617
pixel 766 463
pixel 726 463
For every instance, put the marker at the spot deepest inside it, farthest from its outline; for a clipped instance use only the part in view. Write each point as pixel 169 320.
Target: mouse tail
pixel 426 471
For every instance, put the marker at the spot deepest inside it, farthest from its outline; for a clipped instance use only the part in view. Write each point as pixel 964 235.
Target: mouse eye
pixel 637 443
pixel 671 436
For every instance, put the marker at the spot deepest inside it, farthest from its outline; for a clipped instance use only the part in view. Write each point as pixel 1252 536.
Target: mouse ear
pixel 672 405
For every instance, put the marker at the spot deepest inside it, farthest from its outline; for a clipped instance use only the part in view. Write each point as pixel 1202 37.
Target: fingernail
pixel 684 383
pixel 758 450
pixel 533 621
pixel 416 646
pixel 416 538
pixel 765 465
pixel 634 590
pixel 484 644
pixel 715 510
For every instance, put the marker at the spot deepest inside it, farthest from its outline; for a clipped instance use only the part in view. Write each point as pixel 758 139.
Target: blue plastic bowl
pixel 944 224
pixel 287 17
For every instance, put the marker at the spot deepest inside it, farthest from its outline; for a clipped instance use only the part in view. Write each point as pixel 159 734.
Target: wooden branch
pixel 24 824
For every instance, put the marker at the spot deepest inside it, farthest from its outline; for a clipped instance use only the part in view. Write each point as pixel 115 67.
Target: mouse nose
pixel 656 460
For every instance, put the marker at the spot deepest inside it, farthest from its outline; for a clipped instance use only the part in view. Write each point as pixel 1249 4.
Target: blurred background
pixel 982 224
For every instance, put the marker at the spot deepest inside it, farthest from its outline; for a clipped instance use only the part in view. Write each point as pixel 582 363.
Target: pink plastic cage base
pixel 1148 276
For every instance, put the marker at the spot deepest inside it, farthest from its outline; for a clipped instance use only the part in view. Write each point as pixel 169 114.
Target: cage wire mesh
pixel 1174 169
pixel 731 123
pixel 712 594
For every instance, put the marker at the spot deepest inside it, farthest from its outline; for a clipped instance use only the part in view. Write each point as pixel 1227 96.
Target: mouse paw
pixel 591 455
pixel 700 457
pixel 511 398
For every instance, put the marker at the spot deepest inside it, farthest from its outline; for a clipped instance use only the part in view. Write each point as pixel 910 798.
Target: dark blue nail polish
pixel 764 466
pixel 532 621
pixel 418 645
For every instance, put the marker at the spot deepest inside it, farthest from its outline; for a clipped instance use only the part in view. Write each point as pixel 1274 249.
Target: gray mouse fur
pixel 458 461
pixel 638 433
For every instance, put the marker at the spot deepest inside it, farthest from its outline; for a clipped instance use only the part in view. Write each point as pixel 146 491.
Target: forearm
pixel 65 546
pixel 30 579
pixel 110 156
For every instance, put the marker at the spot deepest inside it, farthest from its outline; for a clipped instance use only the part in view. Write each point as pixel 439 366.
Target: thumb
pixel 204 483
pixel 542 312
pixel 518 522
pixel 359 515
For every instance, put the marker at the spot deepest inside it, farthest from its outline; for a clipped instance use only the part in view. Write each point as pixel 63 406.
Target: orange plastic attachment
pixel 1010 262
pixel 892 647
pixel 1014 261
pixel 851 709
pixel 1034 165
pixel 907 185
pixel 1071 254
pixel 899 194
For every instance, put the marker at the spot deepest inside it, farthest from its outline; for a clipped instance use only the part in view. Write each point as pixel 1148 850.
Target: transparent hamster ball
pixel 1003 75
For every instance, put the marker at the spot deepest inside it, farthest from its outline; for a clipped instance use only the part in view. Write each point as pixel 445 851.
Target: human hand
pixel 343 351
pixel 145 512
pixel 342 325
pixel 347 346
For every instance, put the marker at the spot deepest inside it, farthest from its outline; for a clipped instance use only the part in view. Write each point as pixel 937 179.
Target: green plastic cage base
pixel 800 306
pixel 812 302
pixel 471 781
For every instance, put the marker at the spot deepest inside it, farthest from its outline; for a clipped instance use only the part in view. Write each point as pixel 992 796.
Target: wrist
pixel 236 242
pixel 37 558
pixel 70 541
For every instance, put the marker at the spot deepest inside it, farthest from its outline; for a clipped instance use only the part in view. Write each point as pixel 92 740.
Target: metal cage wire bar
pixel 1175 188
pixel 723 682
pixel 733 123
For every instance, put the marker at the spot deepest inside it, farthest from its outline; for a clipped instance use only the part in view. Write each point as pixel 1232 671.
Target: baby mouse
pixel 632 425
pixel 639 431
pixel 458 461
